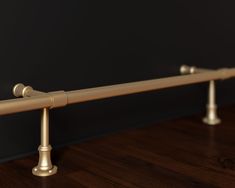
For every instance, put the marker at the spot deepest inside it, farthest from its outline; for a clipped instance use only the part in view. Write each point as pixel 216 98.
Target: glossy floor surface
pixel 176 153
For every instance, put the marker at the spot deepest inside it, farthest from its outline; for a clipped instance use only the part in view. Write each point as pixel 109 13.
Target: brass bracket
pixel 211 117
pixel 44 167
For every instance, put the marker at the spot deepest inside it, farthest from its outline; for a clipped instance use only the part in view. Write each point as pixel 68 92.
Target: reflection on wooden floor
pixel 177 153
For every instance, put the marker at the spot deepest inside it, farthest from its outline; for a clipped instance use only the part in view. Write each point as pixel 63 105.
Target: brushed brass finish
pixel 211 117
pixel 185 69
pixel 61 98
pixel 143 86
pixel 44 167
pixel 20 90
pixel 33 100
pixel 47 100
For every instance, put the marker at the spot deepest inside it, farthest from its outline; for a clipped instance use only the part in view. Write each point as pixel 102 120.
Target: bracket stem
pixel 211 117
pixel 44 167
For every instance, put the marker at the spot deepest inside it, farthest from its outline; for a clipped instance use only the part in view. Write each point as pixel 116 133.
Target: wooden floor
pixel 177 153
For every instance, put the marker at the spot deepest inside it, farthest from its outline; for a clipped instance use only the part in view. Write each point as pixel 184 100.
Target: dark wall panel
pixel 75 44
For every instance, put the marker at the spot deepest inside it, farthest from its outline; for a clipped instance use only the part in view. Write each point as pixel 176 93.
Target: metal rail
pixel 62 98
pixel 211 117
pixel 33 99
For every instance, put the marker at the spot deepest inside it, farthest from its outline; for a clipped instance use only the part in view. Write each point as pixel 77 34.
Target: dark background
pixel 74 44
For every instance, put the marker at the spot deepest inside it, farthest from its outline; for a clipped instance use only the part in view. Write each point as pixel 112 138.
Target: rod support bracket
pixel 58 99
pixel 44 167
pixel 211 116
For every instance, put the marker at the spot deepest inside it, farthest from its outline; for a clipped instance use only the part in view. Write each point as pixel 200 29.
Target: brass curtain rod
pixel 62 98
pixel 33 99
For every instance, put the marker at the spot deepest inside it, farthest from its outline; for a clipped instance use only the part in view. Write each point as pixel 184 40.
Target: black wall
pixel 75 44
